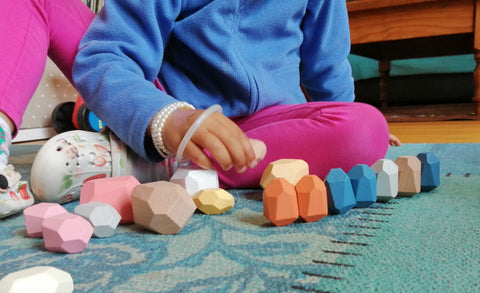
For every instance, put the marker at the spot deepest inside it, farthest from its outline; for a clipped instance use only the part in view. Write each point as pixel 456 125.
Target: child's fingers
pixel 215 147
pixel 198 156
pixel 235 141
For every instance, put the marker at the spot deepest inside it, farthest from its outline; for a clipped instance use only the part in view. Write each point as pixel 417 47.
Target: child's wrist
pixel 158 123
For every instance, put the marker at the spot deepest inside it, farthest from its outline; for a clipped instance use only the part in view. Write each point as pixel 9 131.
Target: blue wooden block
pixel 340 195
pixel 430 171
pixel 364 184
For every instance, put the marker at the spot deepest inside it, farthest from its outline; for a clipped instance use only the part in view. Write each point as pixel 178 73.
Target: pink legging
pixel 29 31
pixel 325 134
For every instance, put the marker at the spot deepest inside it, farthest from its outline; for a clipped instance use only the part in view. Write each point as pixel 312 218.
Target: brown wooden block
pixel 312 198
pixel 409 175
pixel 280 205
pixel 163 207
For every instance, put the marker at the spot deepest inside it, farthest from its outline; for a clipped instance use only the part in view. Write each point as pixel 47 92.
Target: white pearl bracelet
pixel 158 123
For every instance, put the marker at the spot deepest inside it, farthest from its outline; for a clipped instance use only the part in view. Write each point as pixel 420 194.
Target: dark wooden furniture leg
pixel 476 51
pixel 384 70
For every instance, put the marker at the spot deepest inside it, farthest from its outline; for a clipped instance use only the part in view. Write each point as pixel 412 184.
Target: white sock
pixel 5 143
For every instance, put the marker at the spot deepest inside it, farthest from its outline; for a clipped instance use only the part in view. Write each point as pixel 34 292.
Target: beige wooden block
pixel 41 279
pixel 259 148
pixel 214 201
pixel 291 170
pixel 409 175
pixel 163 207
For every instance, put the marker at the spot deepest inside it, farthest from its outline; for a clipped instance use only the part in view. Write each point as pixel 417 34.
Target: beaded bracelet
pixel 158 123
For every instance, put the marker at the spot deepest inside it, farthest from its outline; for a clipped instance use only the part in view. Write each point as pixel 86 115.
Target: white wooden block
pixel 194 179
pixel 103 217
pixel 387 179
pixel 41 279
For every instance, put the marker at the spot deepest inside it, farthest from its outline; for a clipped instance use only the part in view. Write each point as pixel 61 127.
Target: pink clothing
pixel 325 134
pixel 29 31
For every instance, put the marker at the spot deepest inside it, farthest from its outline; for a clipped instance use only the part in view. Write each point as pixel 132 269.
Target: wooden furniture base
pixel 399 29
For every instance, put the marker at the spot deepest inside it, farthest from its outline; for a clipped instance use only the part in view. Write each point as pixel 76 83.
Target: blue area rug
pixel 428 243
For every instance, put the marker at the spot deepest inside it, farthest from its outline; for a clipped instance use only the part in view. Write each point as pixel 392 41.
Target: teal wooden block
pixel 340 195
pixel 364 184
pixel 430 171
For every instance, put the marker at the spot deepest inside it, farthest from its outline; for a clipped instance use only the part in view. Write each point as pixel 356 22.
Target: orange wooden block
pixel 312 198
pixel 280 204
pixel 409 175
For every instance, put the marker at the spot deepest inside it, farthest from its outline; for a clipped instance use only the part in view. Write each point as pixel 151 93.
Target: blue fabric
pixel 365 68
pixel 243 55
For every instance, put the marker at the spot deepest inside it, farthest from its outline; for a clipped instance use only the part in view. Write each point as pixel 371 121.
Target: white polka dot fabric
pixel 54 88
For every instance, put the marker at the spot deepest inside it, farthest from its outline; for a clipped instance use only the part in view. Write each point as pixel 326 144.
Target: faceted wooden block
pixel 163 207
pixel 387 179
pixel 103 217
pixel 311 198
pixel 68 233
pixel 291 170
pixel 364 184
pixel 41 279
pixel 115 191
pixel 259 148
pixel 409 175
pixel 430 171
pixel 194 178
pixel 339 192
pixel 213 201
pixel 280 205
pixel 36 214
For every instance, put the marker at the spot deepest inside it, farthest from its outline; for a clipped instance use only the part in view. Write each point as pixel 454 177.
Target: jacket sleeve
pixel 118 59
pixel 324 70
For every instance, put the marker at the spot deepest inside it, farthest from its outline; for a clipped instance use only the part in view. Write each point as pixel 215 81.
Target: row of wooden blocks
pixel 291 192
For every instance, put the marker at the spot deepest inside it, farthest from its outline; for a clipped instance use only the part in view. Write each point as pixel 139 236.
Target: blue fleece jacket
pixel 242 54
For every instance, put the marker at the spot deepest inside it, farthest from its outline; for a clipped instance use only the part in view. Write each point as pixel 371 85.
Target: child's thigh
pixel 325 134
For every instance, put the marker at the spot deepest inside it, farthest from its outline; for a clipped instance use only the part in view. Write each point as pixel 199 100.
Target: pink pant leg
pixel 325 134
pixel 29 31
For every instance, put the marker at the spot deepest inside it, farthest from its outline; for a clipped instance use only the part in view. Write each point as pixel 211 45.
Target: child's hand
pixel 218 135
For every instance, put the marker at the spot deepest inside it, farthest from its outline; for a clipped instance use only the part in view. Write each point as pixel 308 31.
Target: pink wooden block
pixel 67 233
pixel 36 214
pixel 115 191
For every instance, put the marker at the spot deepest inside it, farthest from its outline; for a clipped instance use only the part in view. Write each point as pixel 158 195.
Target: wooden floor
pixel 437 132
